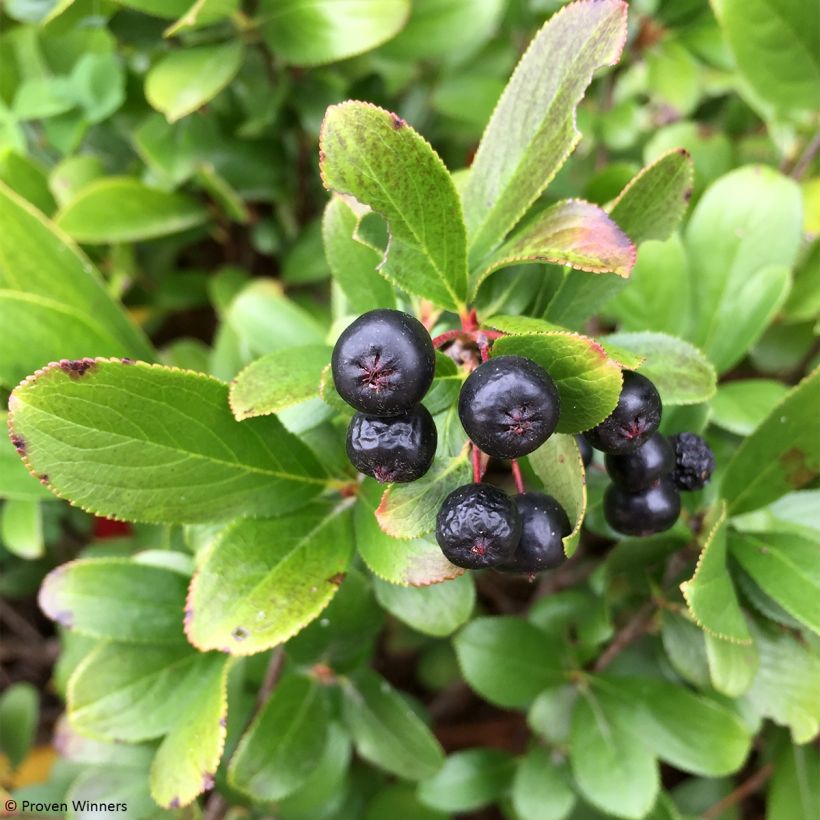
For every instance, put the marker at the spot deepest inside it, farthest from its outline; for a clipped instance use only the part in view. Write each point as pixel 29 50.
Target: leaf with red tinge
pixel 573 233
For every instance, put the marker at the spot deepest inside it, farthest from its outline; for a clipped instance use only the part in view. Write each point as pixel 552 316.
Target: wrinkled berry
pixel 646 512
pixel 635 418
pixel 643 467
pixel 508 406
pixel 395 449
pixel 694 461
pixel 478 526
pixel 585 449
pixel 543 524
pixel 383 363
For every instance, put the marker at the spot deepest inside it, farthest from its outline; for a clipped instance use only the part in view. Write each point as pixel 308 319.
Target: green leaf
pixel 353 263
pixel 378 158
pixel 263 581
pixel 417 562
pixel 654 201
pixel 27 178
pixel 710 594
pixel 469 780
pixel 106 598
pixel 16 483
pixel 21 528
pixel 37 259
pixel 741 406
pixel 185 763
pixel 732 666
pixel 147 443
pixel 185 79
pixel 791 793
pixel 558 465
pixel 573 233
pixel 278 380
pixel 313 32
pixel 588 381
pixel 682 374
pixel 782 454
pixel 538 784
pixel 98 85
pixel 410 510
pixel 202 13
pixel 614 769
pixel 157 8
pixel 438 609
pixel 785 567
pixel 774 43
pixel 19 715
pixel 684 646
pixel 532 130
pixel 741 240
pixel 508 661
pixel 280 748
pixel 123 209
pixel 386 731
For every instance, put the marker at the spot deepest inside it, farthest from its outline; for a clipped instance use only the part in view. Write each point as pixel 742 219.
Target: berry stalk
pixel 519 479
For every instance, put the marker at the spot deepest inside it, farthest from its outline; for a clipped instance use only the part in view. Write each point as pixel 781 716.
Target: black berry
pixel 543 524
pixel 478 526
pixel 585 449
pixel 694 461
pixel 642 467
pixel 646 512
pixel 508 406
pixel 635 418
pixel 399 448
pixel 383 363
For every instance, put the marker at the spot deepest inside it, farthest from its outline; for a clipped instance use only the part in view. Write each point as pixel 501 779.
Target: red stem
pixel 469 321
pixel 519 479
pixel 478 473
pixel 445 337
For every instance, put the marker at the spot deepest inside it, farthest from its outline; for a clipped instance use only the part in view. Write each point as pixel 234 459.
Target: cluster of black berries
pixel 646 468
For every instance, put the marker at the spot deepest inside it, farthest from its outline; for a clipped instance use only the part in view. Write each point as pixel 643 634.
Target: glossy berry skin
pixel 396 449
pixel 635 418
pixel 478 526
pixel 642 467
pixel 694 461
pixel 646 512
pixel 383 363
pixel 508 406
pixel 543 524
pixel 585 449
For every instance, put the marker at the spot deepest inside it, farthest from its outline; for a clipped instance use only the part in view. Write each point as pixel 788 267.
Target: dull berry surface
pixel 694 461
pixel 543 524
pixel 645 512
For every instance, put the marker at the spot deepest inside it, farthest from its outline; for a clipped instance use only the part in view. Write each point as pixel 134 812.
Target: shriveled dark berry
pixel 478 526
pixel 383 363
pixel 543 524
pixel 646 512
pixel 635 418
pixel 508 406
pixel 642 467
pixel 399 448
pixel 694 461
pixel 586 450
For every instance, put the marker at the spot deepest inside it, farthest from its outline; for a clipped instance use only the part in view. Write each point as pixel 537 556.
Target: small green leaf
pixel 652 204
pixel 314 32
pixel 438 609
pixel 98 85
pixel 682 374
pixel 532 130
pixel 508 661
pixel 280 748
pixel 157 8
pixel 156 445
pixel 106 598
pixel 21 528
pixel 19 715
pixel 410 510
pixel 263 581
pixel 278 380
pixel 26 177
pixel 378 158
pixel 573 233
pixel 781 455
pixel 792 791
pixel 386 731
pixel 202 13
pixel 741 406
pixel 539 783
pixel 185 79
pixel 469 780
pixel 685 648
pixel 123 209
pixel 732 666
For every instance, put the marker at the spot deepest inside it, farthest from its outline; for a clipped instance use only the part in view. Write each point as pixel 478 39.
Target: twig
pixel 633 630
pixel 17 623
pixel 478 472
pixel 740 793
pixel 805 159
pixel 519 479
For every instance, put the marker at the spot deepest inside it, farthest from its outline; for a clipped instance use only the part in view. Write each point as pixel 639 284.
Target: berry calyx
pixel 646 512
pixel 508 406
pixel 543 524
pixel 383 363
pixel 396 449
pixel 635 418
pixel 694 461
pixel 478 526
pixel 643 467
